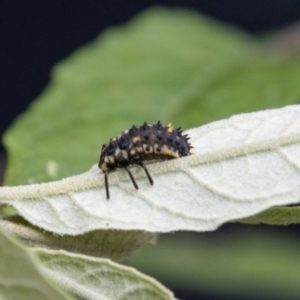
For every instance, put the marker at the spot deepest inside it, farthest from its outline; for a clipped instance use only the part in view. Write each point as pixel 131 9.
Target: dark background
pixel 35 35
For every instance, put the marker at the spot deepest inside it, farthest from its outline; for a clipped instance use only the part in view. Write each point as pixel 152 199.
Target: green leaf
pixel 168 65
pixel 254 83
pixel 20 276
pixel 233 263
pixel 275 216
pixel 113 244
pixel 23 276
pixel 99 279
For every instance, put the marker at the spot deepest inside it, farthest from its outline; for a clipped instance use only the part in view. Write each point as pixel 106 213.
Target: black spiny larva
pixel 142 143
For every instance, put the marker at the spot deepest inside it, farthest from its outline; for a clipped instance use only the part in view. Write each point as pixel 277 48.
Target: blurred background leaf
pixel 231 264
pixel 20 275
pixel 89 278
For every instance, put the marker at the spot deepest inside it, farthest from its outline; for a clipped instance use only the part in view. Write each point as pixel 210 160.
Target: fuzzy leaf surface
pixel 99 279
pixel 20 275
pixel 240 167
pixel 113 244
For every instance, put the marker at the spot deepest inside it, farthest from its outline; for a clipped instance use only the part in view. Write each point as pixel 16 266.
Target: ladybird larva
pixel 140 144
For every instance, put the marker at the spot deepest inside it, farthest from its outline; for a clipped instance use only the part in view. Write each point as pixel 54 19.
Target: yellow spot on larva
pixel 132 152
pixel 124 154
pixel 139 149
pixel 111 159
pixel 103 166
pixel 168 152
pixel 136 139
pixel 170 127
pixel 147 149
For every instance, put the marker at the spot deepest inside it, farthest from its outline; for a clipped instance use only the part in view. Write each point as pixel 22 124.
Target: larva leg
pixel 147 172
pixel 131 177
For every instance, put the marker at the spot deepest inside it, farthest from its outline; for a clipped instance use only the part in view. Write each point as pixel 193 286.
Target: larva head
pixel 104 162
pixel 115 154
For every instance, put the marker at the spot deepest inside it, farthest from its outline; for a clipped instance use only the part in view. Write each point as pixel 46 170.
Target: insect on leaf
pixel 240 167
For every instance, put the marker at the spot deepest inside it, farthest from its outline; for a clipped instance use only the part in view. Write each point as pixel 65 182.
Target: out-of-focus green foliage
pixel 258 264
